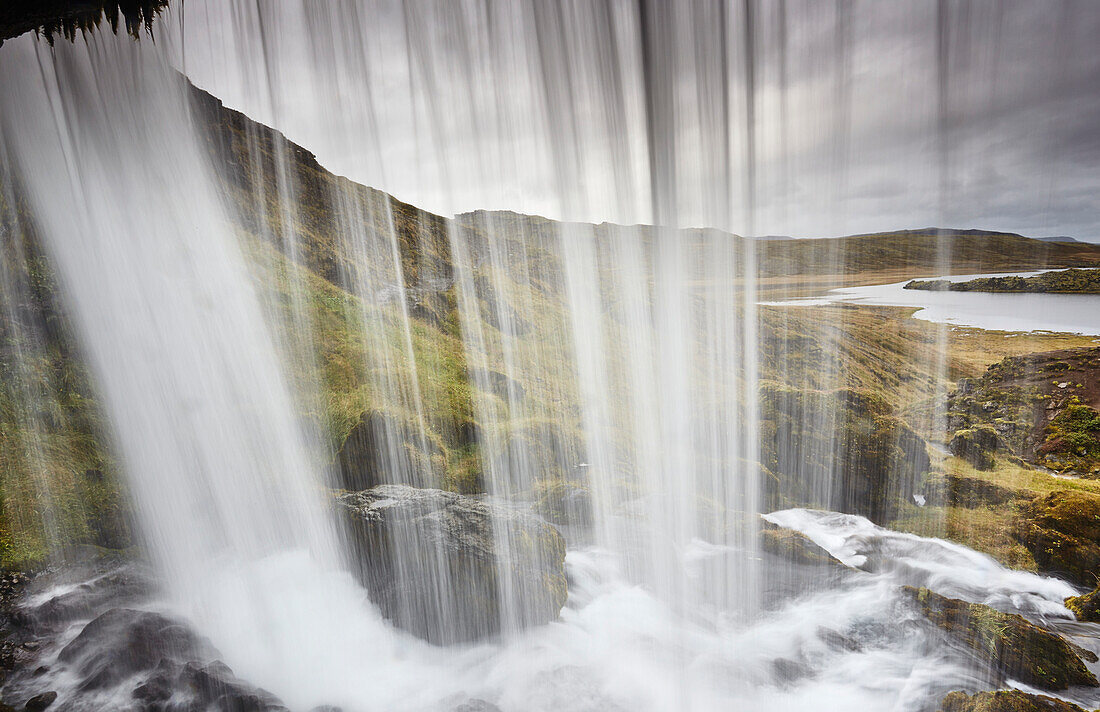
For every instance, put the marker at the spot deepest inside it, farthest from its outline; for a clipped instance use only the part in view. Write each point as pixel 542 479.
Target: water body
pixel 1056 313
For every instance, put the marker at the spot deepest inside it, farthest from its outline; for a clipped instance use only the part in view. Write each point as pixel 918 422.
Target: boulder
pixel 976 445
pixel 1062 532
pixel 563 501
pixel 969 492
pixel 380 449
pixel 123 642
pixel 1086 606
pixel 1008 644
pixel 40 702
pixel 156 658
pixel 1005 701
pixel 453 568
pixel 795 547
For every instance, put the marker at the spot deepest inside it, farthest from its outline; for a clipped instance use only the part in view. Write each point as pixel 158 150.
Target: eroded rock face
pixel 123 642
pixel 125 659
pixel 441 565
pixel 1005 701
pixel 1010 645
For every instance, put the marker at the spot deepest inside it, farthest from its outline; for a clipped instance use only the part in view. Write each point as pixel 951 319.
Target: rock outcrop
pixel 446 567
pixel 849 440
pixel 795 547
pixel 977 445
pixel 147 657
pixel 1086 606
pixel 379 448
pixel 1040 408
pixel 1005 701
pixel 1062 532
pixel 1011 647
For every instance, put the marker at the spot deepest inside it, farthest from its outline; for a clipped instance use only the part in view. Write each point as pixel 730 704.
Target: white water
pixel 655 344
pixel 1059 313
pixel 224 483
pixel 835 642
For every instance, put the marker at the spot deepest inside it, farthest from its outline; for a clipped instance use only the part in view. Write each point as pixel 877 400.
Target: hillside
pixel 353 338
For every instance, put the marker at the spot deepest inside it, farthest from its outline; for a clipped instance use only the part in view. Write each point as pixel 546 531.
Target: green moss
pixel 1073 439
pixel 1086 606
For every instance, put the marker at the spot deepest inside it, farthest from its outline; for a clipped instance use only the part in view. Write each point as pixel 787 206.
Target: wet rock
pixel 380 448
pixel 1008 644
pixel 976 445
pixel 1005 701
pixel 794 546
pixel 1062 532
pixel 40 702
pixel 1086 606
pixel 786 671
pixel 563 501
pixel 433 561
pixel 872 459
pixel 123 642
pixel 162 659
pixel 838 641
pixel 108 584
pixel 215 687
pixel 475 704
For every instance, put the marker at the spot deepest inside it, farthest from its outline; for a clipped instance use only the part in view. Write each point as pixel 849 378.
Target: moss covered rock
pixel 1072 440
pixel 1005 701
pixel 1086 606
pixel 380 448
pixel 976 445
pixel 849 440
pixel 1062 532
pixel 451 568
pixel 1010 645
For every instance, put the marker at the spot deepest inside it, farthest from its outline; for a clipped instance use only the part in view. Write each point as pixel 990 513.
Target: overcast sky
pixel 866 116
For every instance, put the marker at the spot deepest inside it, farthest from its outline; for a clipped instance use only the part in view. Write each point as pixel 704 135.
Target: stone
pixel 40 702
pixel 1005 701
pixel 1062 532
pixel 976 445
pixel 873 461
pixel 123 642
pixel 433 562
pixel 1086 606
pixel 794 546
pixel 1011 646
pixel 380 449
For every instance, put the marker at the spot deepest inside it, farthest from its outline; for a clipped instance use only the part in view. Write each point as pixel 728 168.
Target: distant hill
pixel 1058 238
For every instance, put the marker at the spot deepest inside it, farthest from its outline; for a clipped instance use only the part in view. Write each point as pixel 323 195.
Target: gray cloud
pixel 459 106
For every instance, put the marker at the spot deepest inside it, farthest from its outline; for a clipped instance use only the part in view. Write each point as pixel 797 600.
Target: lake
pixel 1062 313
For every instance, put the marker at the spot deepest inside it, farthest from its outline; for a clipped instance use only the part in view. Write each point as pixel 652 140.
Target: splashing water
pixel 622 360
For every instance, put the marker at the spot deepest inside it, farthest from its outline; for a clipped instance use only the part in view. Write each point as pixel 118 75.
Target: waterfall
pixel 251 320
